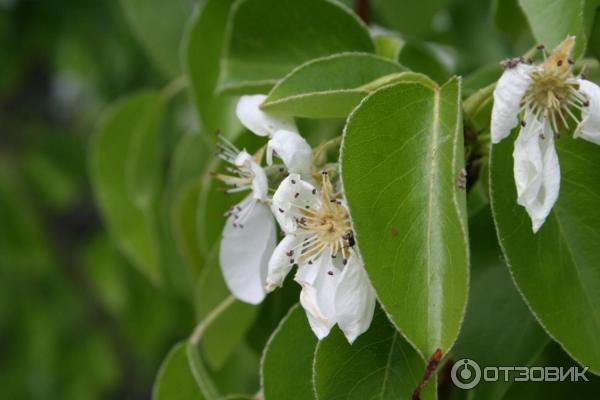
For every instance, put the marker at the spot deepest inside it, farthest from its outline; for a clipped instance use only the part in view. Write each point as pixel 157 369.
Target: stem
pixel 431 366
pixel 363 10
pixel 174 87
pixel 209 319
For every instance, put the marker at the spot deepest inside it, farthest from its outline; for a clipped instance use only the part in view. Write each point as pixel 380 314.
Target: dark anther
pixel 281 169
pixel 293 182
pixel 324 172
pixel 559 63
pixel 281 210
pixel 291 260
pixel 542 136
pixel 330 273
pixel 307 207
pixel 586 103
pixel 523 123
pixel 310 262
pixel 540 47
pixel 333 256
pixel 290 253
pixel 344 261
pixel 296 195
pixel 570 61
pixel 314 191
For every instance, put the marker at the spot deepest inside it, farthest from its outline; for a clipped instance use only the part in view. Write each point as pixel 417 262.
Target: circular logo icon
pixel 466 373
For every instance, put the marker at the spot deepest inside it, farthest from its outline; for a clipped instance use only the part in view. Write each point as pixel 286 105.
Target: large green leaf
pixel 558 269
pixel 409 17
pixel 551 21
pixel 203 47
pixel 175 380
pixel 133 228
pixel 379 365
pixel 268 38
pixel 328 87
pixel 499 329
pixel 287 359
pixel 159 26
pixel 401 156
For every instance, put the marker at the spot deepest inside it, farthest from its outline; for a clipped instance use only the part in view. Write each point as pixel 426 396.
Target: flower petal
pixel 282 261
pixel 319 283
pixel 261 123
pixel 536 169
pixel 292 196
pixel 589 128
pixel 260 184
pixel 245 252
pixel 354 299
pixel 293 150
pixel 509 91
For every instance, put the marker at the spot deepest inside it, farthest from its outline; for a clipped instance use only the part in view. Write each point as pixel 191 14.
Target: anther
pixel 293 182
pixel 559 63
pixel 314 191
pixel 523 123
pixel 330 273
pixel 291 260
pixel 570 61
pixel 290 253
pixel 281 210
pixel 344 261
pixel 542 136
pixel 540 47
pixel 296 195
pixel 586 103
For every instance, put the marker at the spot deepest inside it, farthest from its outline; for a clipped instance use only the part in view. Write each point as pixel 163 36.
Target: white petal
pixel 261 123
pixel 292 194
pixel 244 253
pixel 281 262
pixel 589 128
pixel 260 184
pixel 354 299
pixel 293 150
pixel 318 293
pixel 509 91
pixel 536 169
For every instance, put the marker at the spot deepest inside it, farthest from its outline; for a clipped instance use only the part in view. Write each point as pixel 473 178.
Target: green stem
pixel 174 87
pixel 210 318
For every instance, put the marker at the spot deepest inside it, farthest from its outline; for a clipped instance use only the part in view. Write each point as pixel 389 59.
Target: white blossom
pixel 544 98
pixel 319 240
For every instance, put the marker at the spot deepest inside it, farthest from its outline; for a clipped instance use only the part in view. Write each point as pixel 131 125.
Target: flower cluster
pixel 544 99
pixel 315 224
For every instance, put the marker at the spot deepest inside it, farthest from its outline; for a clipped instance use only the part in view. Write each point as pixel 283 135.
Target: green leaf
pixel 328 87
pixel 499 329
pixel 551 21
pixel 224 334
pixel 558 269
pixel 175 380
pixel 424 58
pixel 183 219
pixel 401 156
pixel 159 26
pixel 388 46
pixel 380 364
pixel 203 47
pixel 133 228
pixel 287 359
pixel 409 17
pixel 268 38
pixel 143 169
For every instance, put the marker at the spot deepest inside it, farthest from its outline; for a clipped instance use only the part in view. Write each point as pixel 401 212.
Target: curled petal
pixel 260 184
pixel 245 251
pixel 509 91
pixel 293 197
pixel 354 299
pixel 589 128
pixel 293 150
pixel 282 260
pixel 536 169
pixel 319 282
pixel 256 120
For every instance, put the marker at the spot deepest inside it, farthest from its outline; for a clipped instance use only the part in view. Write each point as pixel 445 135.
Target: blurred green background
pixel 77 321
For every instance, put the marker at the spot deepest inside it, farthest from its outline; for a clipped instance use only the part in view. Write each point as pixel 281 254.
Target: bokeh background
pixel 77 320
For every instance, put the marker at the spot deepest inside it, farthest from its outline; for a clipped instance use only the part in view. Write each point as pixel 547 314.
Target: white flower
pixel 249 235
pixel 285 140
pixel 335 286
pixel 546 96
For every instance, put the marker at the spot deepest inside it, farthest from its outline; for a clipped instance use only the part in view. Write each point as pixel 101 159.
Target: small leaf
pixel 401 158
pixel 287 359
pixel 175 380
pixel 268 38
pixel 380 364
pixel 159 26
pixel 328 87
pixel 183 219
pixel 203 47
pixel 388 46
pixel 558 269
pixel 133 228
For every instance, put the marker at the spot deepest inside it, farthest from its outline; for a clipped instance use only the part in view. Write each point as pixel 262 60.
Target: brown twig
pixel 363 10
pixel 431 366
